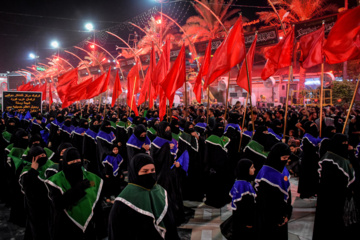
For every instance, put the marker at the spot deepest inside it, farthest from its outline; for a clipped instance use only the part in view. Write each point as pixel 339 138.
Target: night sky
pixel 30 25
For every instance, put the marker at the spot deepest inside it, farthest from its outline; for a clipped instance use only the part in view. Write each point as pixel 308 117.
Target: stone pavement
pixel 204 224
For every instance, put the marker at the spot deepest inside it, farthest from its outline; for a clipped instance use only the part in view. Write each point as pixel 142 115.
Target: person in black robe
pixel 233 131
pixel 138 142
pixel 75 194
pixel 193 181
pixel 325 141
pixel 66 130
pixel 89 147
pixel 54 135
pixel 273 200
pixel 37 204
pixel 78 135
pixel 143 209
pixel 308 175
pixel 104 141
pixel 152 127
pixel 336 175
pixel 122 137
pixel 258 148
pixel 243 201
pixel 169 174
pixel 218 177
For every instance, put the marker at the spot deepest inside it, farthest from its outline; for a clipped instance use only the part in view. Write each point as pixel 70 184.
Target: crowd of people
pixel 97 172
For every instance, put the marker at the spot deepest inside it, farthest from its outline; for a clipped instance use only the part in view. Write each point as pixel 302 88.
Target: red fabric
pixel 162 66
pixel 343 41
pixel 77 93
pixel 117 89
pixel 98 86
pixel 42 89
pixel 24 87
pixel 65 82
pixel 242 79
pixel 202 72
pixel 34 88
pixel 279 56
pixel 50 95
pixel 146 85
pixel 230 53
pixel 133 88
pixel 176 77
pixel 311 46
pixel 162 102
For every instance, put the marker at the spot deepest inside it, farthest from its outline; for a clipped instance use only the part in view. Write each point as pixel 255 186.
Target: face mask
pixel 42 161
pixel 67 123
pixel 147 180
pixel 191 130
pixel 73 172
pixel 60 119
pixel 168 135
pixel 124 119
pixel 95 128
pixel 86 126
pixel 176 130
pixel 10 128
pixel 202 120
pixel 107 129
pixel 142 138
pixel 113 120
pixel 23 143
pixel 219 132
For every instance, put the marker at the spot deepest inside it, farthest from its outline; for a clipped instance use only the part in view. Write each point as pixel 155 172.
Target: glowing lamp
pixel 316 100
pixel 158 21
pixel 276 100
pixel 339 100
pixel 92 46
pixel 104 59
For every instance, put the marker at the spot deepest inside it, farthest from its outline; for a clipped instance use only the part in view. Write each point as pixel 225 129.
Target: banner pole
pixel 227 96
pixel 351 104
pixel 243 122
pixel 132 97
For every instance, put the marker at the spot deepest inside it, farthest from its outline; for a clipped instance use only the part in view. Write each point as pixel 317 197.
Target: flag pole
pixel 208 105
pixel 132 97
pixel 321 95
pixel 185 92
pixel 227 96
pixel 243 122
pixel 351 104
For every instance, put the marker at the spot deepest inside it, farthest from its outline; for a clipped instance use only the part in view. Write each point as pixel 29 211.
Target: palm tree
pixel 205 25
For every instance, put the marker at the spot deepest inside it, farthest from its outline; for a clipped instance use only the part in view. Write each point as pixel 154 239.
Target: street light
pixel 55 44
pixel 89 27
pixel 32 56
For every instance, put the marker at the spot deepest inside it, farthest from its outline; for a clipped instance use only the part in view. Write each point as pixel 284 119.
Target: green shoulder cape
pixel 15 156
pixel 41 169
pixel 7 136
pixel 48 152
pixel 219 141
pixel 190 140
pixel 176 136
pixel 256 148
pixel 152 131
pixel 341 163
pixel 82 212
pixel 152 203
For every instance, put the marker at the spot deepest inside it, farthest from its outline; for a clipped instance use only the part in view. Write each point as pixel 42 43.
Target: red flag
pixel 176 77
pixel 35 88
pixel 279 56
pixel 117 89
pixel 311 46
pixel 230 53
pixel 133 88
pixel 77 93
pixel 343 41
pixel 146 85
pixel 65 82
pixel 42 89
pixel 162 66
pixel 50 95
pixel 242 79
pixel 24 87
pixel 98 86
pixel 162 103
pixel 202 72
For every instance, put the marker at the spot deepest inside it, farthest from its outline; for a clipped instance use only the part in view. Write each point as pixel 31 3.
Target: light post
pixel 55 44
pixel 161 17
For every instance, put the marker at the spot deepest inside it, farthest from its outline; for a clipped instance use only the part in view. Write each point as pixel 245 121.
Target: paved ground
pixel 204 225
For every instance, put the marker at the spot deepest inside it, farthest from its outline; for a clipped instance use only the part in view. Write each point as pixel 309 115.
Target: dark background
pixel 30 25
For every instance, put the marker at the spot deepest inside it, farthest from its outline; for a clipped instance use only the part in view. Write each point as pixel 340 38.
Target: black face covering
pixel 143 121
pixel 73 172
pixel 242 170
pixel 106 127
pixel 337 146
pixel 19 140
pixel 139 129
pixel 187 128
pixel 34 152
pixel 35 138
pixel 67 123
pixel 260 136
pixel 137 162
pixel 95 128
pixel 113 120
pixel 234 118
pixel 162 133
pixel 84 124
pixel 218 130
pixel 328 132
pixel 202 120
pixel 60 119
pixel 274 158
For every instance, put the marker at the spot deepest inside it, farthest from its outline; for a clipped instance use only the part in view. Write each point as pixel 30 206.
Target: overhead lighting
pixel 55 44
pixel 89 27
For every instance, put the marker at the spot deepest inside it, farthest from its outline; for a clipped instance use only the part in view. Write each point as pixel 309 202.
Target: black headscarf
pixel 187 128
pixel 336 145
pixel 274 158
pixel 83 123
pixel 60 159
pixel 328 132
pixel 161 131
pixel 311 128
pixel 73 172
pixel 2 126
pixel 123 118
pixel 11 128
pixel 242 170
pixel 139 129
pixel 136 163
pixel 18 139
pixel 35 138
pixel 34 152
pixel 106 126
pixel 175 126
pixel 143 121
pixel 260 136
pixel 234 118
pixel 93 127
pixel 218 129
pixel 136 120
